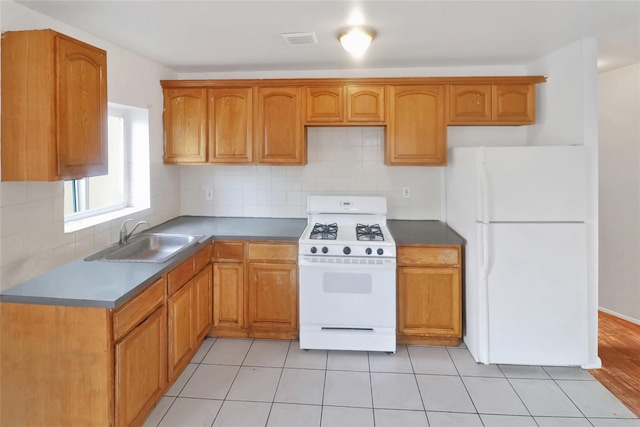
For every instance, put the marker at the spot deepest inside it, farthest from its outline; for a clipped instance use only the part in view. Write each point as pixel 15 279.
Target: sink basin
pixel 147 247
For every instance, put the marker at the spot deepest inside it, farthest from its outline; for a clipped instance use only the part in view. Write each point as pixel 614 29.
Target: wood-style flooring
pixel 619 350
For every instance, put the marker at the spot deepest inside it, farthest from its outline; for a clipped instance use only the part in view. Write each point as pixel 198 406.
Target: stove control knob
pixel 325 250
pixel 368 251
pixel 380 251
pixel 346 250
pixel 314 249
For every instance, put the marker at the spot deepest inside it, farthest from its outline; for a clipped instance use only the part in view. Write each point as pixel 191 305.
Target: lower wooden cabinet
pixel 229 303
pixel 203 302
pixel 140 369
pixel 255 289
pixel 189 320
pixel 83 366
pixel 429 295
pixel 228 295
pixel 273 298
pixel 180 333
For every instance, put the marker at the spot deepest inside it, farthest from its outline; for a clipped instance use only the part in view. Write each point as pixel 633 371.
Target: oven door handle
pixel 348 266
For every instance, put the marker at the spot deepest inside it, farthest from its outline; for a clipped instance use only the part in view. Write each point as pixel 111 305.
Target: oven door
pixel 347 303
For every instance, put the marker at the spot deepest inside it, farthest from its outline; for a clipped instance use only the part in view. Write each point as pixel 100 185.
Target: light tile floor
pixel 244 382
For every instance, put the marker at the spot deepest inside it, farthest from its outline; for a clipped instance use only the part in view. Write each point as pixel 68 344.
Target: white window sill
pixel 78 224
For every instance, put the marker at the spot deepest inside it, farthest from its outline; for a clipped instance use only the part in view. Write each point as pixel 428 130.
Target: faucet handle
pixel 123 231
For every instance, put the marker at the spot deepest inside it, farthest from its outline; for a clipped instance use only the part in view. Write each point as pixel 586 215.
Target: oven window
pixel 347 283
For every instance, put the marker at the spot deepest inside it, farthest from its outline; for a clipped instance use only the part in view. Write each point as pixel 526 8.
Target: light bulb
pixel 356 40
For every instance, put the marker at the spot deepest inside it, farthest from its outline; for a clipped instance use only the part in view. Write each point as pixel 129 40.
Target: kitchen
pixel 563 119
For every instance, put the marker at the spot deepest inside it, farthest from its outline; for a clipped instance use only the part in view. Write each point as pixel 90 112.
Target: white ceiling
pixel 214 36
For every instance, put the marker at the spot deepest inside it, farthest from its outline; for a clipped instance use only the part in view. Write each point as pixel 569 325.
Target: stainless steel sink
pixel 147 247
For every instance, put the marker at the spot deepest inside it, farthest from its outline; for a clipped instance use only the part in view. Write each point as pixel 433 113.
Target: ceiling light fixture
pixel 356 40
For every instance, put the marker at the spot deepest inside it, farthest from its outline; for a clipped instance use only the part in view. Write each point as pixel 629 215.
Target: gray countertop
pixel 410 232
pixel 110 284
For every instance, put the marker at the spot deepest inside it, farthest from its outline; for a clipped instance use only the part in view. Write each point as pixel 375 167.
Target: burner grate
pixel 369 232
pixel 324 231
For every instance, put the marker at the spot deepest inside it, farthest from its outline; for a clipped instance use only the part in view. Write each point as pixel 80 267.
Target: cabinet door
pixel 514 104
pixel 228 295
pixel 416 129
pixel 469 104
pixel 140 369
pixel 273 296
pixel 230 119
pixel 185 131
pixel 324 104
pixel 279 133
pixel 203 300
pixel 181 340
pixel 82 114
pixel 365 104
pixel 429 301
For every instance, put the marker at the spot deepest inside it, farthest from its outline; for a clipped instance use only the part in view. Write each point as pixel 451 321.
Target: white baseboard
pixel 597 364
pixel 621 316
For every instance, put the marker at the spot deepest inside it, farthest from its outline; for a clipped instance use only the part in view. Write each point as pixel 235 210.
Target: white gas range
pixel 347 260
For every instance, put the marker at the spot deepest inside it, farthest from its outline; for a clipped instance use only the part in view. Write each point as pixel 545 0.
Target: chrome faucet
pixel 124 236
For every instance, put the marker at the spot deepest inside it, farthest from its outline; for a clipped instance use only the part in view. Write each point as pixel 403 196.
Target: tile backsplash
pixel 32 237
pixel 341 160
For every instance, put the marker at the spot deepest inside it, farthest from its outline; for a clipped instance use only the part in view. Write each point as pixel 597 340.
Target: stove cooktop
pixel 347 239
pixel 353 226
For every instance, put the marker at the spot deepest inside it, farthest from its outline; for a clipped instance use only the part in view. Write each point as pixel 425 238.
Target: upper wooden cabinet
pixel 235 125
pixel 324 105
pixel 365 104
pixel 185 125
pixel 500 104
pixel 54 107
pixel 262 121
pixel 230 120
pixel 279 130
pixel 469 104
pixel 342 105
pixel 416 131
pixel 513 104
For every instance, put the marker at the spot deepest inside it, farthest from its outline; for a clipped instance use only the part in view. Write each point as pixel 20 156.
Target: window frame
pixel 81 186
pixel 136 173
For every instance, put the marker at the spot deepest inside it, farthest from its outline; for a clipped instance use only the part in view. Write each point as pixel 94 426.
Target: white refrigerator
pixel 522 212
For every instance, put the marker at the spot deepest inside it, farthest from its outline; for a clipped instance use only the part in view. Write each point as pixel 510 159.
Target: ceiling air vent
pixel 300 39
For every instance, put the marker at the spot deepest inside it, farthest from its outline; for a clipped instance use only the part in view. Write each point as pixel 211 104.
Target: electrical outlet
pixel 406 192
pixel 209 194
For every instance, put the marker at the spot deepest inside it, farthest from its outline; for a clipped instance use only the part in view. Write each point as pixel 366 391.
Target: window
pixel 89 201
pixel 87 196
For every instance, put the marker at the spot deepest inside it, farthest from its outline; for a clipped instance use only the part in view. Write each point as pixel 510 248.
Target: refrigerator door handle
pixel 482 324
pixel 482 192
pixel 485 252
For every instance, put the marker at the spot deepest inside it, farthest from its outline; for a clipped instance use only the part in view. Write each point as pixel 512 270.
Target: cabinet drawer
pixel 134 311
pixel 273 251
pixel 429 256
pixel 179 275
pixel 228 251
pixel 202 258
